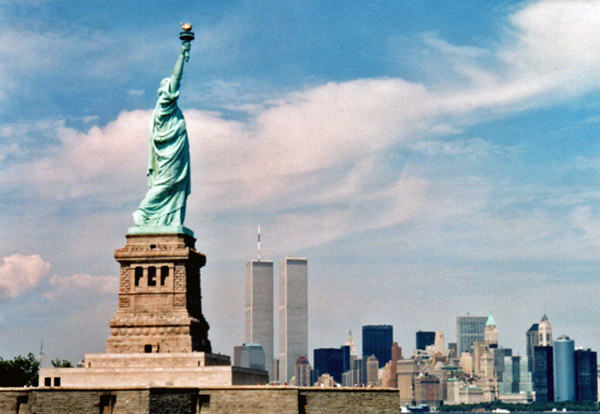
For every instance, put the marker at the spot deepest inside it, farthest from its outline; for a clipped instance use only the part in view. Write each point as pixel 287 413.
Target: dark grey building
pixel 543 376
pixel 532 342
pixel 424 339
pixel 586 375
pixel 377 340
pixel 330 361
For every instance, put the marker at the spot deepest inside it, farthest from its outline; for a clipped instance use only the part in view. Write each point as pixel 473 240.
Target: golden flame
pixel 186 26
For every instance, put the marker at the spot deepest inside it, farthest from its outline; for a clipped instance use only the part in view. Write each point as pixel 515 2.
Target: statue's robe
pixel 168 167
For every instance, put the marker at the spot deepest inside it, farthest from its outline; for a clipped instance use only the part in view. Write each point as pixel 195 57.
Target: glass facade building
pixel 469 329
pixel 543 375
pixel 499 354
pixel 564 369
pixel 586 375
pixel 377 340
pixel 329 361
pixel 425 339
pixel 516 377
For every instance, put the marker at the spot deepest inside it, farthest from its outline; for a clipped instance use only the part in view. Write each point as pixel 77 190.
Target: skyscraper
pixel 539 334
pixel 377 340
pixel 490 332
pixel 516 377
pixel 468 330
pixel 439 346
pixel 330 361
pixel 293 314
pixel 499 355
pixel 586 375
pixel 543 375
pixel 352 345
pixel 424 339
pixel 545 332
pixel 303 370
pixel 533 340
pixel 372 366
pixel 259 308
pixel 253 356
pixel 564 369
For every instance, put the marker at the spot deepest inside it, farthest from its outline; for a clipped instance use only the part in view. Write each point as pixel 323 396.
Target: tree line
pixel 23 371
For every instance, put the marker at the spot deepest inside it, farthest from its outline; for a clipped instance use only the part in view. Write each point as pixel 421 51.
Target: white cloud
pixel 20 273
pixel 136 92
pixel 321 155
pixel 476 147
pixel 81 284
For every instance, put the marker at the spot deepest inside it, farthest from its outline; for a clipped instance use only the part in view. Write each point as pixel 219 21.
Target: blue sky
pixel 429 158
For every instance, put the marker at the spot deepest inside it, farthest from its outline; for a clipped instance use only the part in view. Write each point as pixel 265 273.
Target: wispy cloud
pixel 20 273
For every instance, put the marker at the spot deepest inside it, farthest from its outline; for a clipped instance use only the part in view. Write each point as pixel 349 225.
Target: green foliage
pixel 522 408
pixel 19 372
pixel 61 363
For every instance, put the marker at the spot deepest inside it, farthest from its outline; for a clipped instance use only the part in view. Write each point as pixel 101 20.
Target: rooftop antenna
pixel 259 242
pixel 42 357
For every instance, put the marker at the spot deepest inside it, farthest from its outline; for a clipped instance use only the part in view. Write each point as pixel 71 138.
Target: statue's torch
pixel 186 36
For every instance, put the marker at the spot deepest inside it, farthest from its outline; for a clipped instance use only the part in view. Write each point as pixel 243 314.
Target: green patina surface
pixel 169 181
pixel 160 230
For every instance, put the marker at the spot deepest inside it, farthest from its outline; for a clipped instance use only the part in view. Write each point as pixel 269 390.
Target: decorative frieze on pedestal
pixel 160 301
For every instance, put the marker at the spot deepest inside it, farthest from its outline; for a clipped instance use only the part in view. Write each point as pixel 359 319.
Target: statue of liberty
pixel 169 162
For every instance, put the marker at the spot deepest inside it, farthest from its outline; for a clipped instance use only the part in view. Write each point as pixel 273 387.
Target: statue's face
pixel 164 86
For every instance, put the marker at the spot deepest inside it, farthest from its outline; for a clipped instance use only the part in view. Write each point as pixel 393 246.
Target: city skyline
pixel 430 159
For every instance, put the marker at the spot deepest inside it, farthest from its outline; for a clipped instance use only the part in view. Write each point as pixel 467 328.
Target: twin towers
pixel 292 310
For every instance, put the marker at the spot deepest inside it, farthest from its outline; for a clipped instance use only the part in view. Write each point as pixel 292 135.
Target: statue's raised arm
pixel 163 207
pixel 178 69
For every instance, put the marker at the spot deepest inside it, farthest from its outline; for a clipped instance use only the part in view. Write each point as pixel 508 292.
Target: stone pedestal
pixel 195 369
pixel 160 300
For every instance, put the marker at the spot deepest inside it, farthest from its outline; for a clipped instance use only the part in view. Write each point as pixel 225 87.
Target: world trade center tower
pixel 293 315
pixel 259 308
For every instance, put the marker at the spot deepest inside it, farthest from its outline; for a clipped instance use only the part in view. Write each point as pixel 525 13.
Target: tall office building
pixel 293 314
pixel 490 332
pixel 352 345
pixel 303 371
pixel 586 375
pixel 439 346
pixel 396 356
pixel 372 367
pixel 543 374
pixel 259 308
pixel 253 356
pixel 533 340
pixel 425 339
pixel 377 340
pixel 516 377
pixel 564 369
pixel 545 332
pixel 331 361
pixel 499 355
pixel 539 334
pixel 469 329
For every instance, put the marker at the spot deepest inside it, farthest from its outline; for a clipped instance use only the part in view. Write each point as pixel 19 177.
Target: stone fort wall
pixel 170 400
